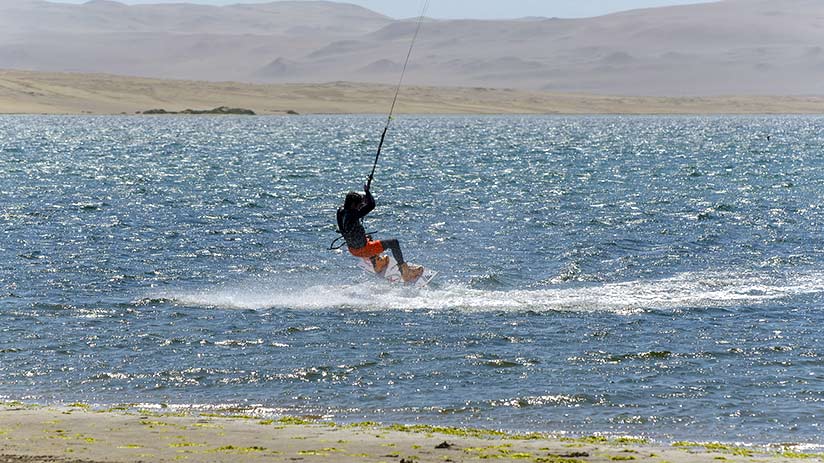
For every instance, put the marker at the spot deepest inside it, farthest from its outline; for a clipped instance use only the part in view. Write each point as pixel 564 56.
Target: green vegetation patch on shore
pixel 220 110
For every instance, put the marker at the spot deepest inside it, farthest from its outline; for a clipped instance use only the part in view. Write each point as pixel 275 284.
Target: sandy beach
pixel 79 433
pixel 23 92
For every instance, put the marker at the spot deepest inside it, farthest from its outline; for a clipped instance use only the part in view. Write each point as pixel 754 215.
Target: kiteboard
pixel 392 273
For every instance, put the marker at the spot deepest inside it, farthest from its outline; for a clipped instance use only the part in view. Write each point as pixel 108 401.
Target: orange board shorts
pixel 372 248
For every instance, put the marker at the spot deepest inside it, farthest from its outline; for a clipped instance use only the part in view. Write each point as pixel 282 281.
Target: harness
pixel 334 246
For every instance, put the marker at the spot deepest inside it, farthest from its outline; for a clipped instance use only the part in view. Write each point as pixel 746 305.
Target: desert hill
pixel 730 47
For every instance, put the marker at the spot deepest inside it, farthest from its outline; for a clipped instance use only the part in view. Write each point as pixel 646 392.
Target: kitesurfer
pixel 355 208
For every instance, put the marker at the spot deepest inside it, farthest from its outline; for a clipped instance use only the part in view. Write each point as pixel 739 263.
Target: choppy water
pixel 651 276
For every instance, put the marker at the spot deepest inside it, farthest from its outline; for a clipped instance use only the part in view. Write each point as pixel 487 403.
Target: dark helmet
pixel 352 199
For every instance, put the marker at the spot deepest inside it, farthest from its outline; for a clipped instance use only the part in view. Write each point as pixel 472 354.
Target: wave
pixel 683 291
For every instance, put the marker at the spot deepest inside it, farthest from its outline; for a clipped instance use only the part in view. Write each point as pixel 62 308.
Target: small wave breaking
pixel 683 291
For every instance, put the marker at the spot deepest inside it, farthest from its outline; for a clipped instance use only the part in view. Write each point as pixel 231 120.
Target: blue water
pixel 651 276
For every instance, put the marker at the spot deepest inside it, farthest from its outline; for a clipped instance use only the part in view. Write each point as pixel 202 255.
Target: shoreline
pixel 47 93
pixel 81 433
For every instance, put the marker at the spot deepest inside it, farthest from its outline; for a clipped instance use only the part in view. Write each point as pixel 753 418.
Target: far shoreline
pixel 370 114
pixel 69 94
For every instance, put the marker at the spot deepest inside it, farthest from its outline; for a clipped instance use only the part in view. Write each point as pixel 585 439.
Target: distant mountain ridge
pixel 760 47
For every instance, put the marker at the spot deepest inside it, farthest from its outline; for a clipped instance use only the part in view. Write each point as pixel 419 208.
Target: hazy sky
pixel 474 8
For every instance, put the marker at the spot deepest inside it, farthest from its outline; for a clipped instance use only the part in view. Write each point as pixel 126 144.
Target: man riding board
pixel 350 217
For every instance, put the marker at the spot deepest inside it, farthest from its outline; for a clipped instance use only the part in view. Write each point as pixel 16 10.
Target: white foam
pixel 683 291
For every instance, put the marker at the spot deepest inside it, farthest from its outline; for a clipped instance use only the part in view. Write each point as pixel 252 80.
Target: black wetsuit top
pixel 349 222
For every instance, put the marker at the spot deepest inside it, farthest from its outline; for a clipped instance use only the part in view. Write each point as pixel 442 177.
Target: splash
pixel 683 291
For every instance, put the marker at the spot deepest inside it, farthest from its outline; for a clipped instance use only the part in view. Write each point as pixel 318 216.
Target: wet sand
pixel 82 434
pixel 23 92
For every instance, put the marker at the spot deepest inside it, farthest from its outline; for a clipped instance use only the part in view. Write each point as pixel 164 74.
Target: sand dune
pixel 75 93
pixel 729 47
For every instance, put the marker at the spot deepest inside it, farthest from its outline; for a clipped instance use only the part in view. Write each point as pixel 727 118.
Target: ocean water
pixel 648 276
